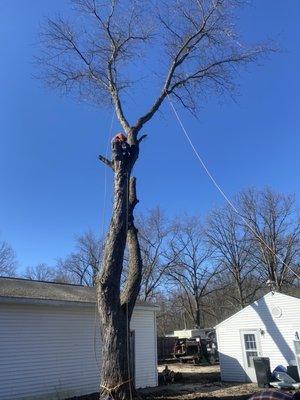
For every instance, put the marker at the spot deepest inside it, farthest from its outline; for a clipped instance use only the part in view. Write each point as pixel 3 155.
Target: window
pixel 250 348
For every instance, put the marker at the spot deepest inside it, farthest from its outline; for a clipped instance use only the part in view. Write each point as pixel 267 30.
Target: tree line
pixel 199 270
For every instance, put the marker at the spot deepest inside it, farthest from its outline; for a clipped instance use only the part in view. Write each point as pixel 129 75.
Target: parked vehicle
pixel 196 350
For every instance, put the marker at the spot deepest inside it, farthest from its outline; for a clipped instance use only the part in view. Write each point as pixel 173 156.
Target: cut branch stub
pixel 106 161
pixel 142 138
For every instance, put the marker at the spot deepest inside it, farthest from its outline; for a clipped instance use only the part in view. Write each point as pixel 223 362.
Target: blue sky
pixel 52 184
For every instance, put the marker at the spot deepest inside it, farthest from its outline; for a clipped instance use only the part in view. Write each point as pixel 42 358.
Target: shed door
pixel 251 348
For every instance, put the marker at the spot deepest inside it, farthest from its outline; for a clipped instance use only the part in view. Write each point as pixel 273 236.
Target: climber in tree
pixel 120 147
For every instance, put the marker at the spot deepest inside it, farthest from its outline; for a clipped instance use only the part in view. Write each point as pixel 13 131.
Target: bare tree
pixel 275 231
pixel 82 265
pixel 218 304
pixel 193 271
pixel 156 235
pixel 200 52
pixel 170 316
pixel 8 262
pixel 235 251
pixel 40 272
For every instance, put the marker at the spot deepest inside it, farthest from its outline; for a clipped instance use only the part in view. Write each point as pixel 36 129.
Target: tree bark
pixel 239 288
pixel 198 317
pixel 115 308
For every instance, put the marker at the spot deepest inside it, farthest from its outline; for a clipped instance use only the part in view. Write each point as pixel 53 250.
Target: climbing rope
pixel 105 172
pixel 113 389
pixel 215 183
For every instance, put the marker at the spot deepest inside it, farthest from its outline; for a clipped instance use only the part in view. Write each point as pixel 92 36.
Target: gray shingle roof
pixel 17 288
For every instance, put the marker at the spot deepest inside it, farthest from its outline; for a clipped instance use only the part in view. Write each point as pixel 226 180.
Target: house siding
pixel 50 352
pixel 276 334
pixel 144 325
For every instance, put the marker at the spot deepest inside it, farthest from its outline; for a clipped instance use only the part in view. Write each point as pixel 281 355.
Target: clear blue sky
pixel 52 186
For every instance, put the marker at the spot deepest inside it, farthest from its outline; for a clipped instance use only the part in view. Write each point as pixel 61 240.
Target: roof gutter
pixel 68 303
pixel 43 302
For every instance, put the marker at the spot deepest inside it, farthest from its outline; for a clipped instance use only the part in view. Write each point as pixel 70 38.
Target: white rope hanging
pixel 215 183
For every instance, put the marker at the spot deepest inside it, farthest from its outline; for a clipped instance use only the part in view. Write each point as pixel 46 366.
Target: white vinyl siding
pixel 51 352
pixel 143 323
pixel 276 334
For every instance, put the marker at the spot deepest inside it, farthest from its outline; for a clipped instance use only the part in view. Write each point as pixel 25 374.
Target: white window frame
pixel 258 347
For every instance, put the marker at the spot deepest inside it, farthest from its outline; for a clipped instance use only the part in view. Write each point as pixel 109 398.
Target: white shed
pixel 49 341
pixel 265 328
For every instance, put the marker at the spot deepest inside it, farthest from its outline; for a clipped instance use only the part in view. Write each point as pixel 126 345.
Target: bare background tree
pixel 171 316
pixel 8 263
pixel 193 271
pixel 274 218
pixel 233 247
pixel 82 265
pixel 90 57
pixel 156 235
pixel 234 250
pixel 40 272
pixel 218 305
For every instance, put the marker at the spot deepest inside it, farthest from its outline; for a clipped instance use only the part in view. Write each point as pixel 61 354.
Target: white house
pixel 49 341
pixel 265 328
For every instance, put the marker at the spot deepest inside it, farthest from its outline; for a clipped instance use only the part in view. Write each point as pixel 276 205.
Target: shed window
pixel 250 348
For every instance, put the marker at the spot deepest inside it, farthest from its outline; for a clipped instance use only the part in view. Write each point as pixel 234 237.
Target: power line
pixel 223 194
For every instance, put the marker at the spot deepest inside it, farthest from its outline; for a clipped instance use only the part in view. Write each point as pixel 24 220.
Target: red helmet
pixel 120 137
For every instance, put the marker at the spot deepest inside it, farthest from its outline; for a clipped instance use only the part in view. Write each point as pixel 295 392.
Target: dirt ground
pixel 199 382
pixel 195 382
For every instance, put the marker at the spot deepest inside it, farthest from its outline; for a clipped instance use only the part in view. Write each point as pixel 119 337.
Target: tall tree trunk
pixel 240 291
pixel 116 380
pixel 115 308
pixel 198 314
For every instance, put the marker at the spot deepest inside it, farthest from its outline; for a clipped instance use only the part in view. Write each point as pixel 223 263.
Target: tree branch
pixel 106 162
pixel 142 138
pixel 134 277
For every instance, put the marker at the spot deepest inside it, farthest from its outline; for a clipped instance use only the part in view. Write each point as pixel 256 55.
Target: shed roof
pixel 20 290
pixel 257 302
